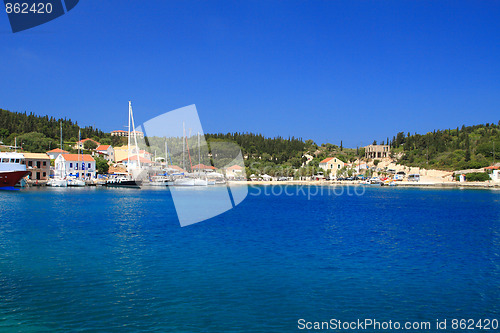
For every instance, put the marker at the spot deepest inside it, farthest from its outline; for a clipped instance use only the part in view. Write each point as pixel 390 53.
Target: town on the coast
pixel 453 157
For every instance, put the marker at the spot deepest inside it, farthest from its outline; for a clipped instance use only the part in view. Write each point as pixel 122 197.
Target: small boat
pixel 75 182
pixel 57 182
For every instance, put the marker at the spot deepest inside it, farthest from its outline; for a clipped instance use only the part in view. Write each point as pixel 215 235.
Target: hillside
pixel 468 147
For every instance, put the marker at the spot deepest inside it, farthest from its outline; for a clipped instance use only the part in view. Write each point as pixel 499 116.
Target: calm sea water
pixel 96 259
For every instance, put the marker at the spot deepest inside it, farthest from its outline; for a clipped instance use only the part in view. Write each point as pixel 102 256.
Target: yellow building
pixel 331 163
pixel 121 153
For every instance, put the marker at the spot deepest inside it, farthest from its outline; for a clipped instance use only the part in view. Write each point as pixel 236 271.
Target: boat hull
pixel 8 179
pixel 125 183
pixel 184 182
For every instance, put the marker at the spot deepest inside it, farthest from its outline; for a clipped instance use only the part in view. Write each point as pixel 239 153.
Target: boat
pixel 200 182
pixel 129 179
pixel 12 170
pixel 159 181
pixel 57 182
pixel 184 182
pixel 75 182
pixel 123 180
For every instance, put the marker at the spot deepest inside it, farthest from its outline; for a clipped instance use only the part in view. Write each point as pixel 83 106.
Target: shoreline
pixel 476 185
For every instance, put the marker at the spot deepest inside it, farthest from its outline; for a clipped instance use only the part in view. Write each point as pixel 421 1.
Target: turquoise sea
pixel 117 260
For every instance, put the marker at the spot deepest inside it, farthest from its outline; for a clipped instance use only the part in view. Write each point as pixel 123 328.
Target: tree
pixel 374 142
pixel 101 165
pixel 341 146
pixel 90 145
pixel 376 162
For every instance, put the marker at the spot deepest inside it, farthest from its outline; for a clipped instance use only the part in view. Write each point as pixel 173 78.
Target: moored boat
pixel 12 169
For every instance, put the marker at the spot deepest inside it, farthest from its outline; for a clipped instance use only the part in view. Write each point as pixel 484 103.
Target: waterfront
pixel 117 260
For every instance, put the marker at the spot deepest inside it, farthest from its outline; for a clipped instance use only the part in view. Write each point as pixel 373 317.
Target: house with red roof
pixel 106 151
pixel 234 172
pixel 331 163
pixel 75 165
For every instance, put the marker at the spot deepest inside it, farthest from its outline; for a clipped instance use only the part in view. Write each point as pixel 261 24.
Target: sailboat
pixel 199 181
pixel 184 181
pixel 59 180
pixel 129 179
pixel 76 181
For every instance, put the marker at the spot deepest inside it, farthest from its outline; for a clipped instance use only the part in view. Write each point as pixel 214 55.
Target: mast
pixel 135 137
pixel 128 136
pixel 183 147
pixel 79 143
pixel 60 123
pixel 199 155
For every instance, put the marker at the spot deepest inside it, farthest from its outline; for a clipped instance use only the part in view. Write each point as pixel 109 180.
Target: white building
pixel 82 166
pixel 125 133
pixel 107 152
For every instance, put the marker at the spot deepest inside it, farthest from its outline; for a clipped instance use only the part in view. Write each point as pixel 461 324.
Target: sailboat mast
pixel 128 136
pixel 135 137
pixel 79 143
pixel 199 154
pixel 183 147
pixel 61 135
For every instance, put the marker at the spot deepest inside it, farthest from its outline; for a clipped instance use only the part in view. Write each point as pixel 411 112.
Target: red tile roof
pixel 103 147
pixel 78 157
pixel 202 166
pixel 57 150
pixel 235 167
pixel 87 139
pixel 326 159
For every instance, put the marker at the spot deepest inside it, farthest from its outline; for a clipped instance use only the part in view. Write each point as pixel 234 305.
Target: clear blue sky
pixel 326 70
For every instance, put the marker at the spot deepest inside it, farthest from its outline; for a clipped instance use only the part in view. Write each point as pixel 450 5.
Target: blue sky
pixel 327 70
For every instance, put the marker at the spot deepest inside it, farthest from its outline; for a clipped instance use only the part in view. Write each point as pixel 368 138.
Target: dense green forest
pixel 451 149
pixel 42 133
pixel 468 147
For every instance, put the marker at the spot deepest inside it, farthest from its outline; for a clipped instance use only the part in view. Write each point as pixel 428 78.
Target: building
pixel 331 163
pixel 121 153
pixel 139 134
pixel 56 152
pixel 81 144
pixel 132 161
pixel 77 165
pixel 38 164
pixel 106 151
pixel 377 151
pixel 234 172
